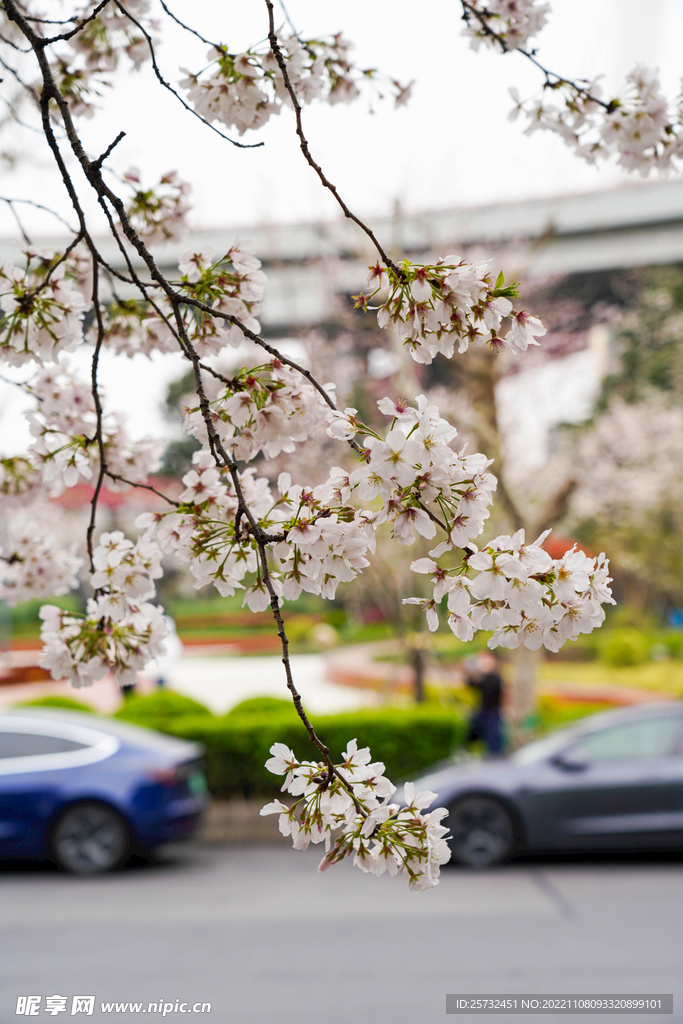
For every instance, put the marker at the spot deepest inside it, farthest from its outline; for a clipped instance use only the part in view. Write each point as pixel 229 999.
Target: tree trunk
pixel 418 660
pixel 522 700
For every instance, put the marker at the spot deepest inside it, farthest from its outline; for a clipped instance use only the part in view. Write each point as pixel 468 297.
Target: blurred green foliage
pixel 55 702
pixel 624 647
pixel 157 710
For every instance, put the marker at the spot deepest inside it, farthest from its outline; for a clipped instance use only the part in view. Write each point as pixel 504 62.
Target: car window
pixel 26 744
pixel 652 737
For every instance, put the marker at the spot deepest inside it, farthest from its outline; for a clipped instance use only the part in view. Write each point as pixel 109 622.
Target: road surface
pixel 264 938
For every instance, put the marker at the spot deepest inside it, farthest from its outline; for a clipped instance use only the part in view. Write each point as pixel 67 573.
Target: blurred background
pixel 587 434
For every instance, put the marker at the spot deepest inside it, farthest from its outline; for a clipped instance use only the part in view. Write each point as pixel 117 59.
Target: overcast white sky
pixel 452 146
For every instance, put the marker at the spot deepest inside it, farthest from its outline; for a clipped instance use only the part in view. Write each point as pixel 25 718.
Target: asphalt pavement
pixel 261 936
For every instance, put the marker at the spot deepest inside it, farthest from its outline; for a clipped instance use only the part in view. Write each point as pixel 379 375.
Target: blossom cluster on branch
pixel 639 126
pixel 526 597
pixel 433 308
pixel 120 631
pixel 70 442
pixel 34 565
pixel 348 807
pixel 42 309
pixel 244 90
pixel 503 24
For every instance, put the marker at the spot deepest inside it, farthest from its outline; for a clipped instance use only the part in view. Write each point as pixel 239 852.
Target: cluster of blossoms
pixel 130 327
pixel 233 285
pixel 519 592
pixel 415 467
pixel 317 546
pixel 17 476
pixel 33 565
pixel 243 90
pixel 349 810
pixel 120 631
pixel 265 410
pixel 431 308
pixel 158 214
pixel 318 537
pixel 42 309
pixel 104 39
pixel 503 24
pixel 85 61
pixel 66 449
pixel 639 126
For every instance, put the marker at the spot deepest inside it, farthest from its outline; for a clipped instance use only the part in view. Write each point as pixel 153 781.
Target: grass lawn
pixel 664 677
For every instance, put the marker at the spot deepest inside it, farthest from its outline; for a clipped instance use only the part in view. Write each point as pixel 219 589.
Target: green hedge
pixel 624 647
pixel 56 702
pixel 156 710
pixel 237 746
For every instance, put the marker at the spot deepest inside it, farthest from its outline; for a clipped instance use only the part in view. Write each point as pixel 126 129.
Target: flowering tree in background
pixel 232 525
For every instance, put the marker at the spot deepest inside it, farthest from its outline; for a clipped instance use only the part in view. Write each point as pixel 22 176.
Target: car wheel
pixel 90 838
pixel 483 832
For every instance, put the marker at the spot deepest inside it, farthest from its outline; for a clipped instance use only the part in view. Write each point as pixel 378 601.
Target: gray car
pixel 612 782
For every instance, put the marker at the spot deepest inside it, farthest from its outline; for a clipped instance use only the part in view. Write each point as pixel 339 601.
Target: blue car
pixel 87 792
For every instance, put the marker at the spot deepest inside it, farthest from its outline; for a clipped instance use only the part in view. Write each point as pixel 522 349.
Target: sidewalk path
pixel 220 683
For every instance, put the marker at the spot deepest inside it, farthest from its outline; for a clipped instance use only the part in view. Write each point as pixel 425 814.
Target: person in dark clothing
pixel 486 722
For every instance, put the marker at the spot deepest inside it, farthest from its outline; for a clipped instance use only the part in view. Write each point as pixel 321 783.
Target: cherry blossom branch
pixel 296 696
pixel 69 35
pixel 167 85
pixel 145 487
pixel 552 79
pixel 98 410
pixel 53 266
pixel 435 519
pixel 10 203
pixel 38 206
pixel 187 28
pixel 303 142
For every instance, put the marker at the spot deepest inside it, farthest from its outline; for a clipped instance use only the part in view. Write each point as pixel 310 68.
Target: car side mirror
pixel 568 763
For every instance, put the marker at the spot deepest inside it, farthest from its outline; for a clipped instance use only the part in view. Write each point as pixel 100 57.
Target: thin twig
pixel 434 518
pixel 46 280
pixel 68 35
pixel 39 206
pixel 17 120
pixel 188 28
pixel 145 487
pixel 552 79
pixel 17 218
pixel 303 143
pixel 98 412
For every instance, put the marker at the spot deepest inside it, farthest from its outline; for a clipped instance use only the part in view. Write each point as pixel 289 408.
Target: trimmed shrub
pixel 624 647
pixel 56 702
pixel 157 710
pixel 261 706
pixel 237 746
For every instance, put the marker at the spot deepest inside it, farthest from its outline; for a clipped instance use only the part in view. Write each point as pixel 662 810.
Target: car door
pixel 34 757
pixel 620 786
